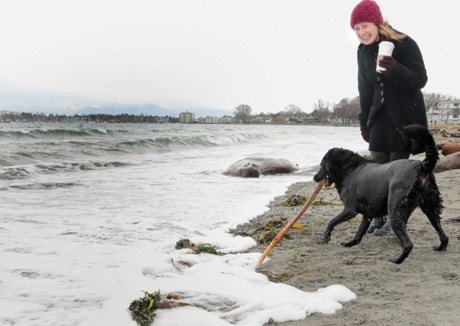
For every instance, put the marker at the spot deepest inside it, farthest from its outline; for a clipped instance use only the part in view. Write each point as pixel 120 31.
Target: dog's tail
pixel 421 135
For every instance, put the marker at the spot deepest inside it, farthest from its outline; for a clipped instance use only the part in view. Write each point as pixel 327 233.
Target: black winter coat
pixel 389 102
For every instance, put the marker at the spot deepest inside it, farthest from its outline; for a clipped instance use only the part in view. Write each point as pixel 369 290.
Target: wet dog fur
pixel 394 189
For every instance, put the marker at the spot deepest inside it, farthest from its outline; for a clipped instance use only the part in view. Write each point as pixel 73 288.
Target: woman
pixel 393 98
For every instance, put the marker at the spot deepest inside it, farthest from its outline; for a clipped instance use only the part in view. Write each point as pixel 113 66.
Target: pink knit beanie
pixel 366 11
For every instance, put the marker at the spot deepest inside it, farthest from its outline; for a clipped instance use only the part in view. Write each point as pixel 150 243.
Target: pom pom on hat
pixel 366 11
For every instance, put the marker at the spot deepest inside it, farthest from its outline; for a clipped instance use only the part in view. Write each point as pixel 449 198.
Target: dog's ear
pixel 329 155
pixel 330 158
pixel 326 165
pixel 333 163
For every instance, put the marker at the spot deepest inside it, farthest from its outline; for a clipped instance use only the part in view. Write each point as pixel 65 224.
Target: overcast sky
pixel 211 53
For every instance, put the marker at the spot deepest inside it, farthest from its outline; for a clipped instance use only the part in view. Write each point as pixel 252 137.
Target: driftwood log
pixel 450 148
pixel 253 167
pixel 448 162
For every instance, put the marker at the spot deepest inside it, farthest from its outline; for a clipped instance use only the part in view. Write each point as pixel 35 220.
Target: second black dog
pixel 394 189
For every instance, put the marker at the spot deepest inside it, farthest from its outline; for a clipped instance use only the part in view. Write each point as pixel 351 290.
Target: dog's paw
pixel 440 248
pixel 325 240
pixel 349 243
pixel 443 245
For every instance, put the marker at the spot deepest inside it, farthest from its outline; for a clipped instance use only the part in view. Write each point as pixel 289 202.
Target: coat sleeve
pixel 365 90
pixel 410 69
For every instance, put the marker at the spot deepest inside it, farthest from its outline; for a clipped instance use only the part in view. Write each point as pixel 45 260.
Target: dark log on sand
pixel 448 162
pixel 253 167
pixel 450 148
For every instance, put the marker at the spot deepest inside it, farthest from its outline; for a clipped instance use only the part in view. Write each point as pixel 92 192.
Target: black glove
pixel 388 63
pixel 365 135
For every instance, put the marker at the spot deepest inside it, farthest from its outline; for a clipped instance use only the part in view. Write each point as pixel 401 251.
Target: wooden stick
pixel 286 228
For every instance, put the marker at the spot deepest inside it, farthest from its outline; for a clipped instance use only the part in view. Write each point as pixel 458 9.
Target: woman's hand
pixel 388 63
pixel 365 135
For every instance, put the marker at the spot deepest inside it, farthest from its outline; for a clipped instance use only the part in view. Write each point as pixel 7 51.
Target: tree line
pixel 346 111
pixel 9 116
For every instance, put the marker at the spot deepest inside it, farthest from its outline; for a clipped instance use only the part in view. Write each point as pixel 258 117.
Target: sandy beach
pixel 424 290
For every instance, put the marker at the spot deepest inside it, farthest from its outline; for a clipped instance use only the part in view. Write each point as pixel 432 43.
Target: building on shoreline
pixel 186 117
pixel 445 112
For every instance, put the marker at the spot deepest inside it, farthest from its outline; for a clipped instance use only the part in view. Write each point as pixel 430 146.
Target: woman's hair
pixel 388 33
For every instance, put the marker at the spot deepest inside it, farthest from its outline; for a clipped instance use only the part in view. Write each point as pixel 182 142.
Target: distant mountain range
pixel 115 109
pixel 18 98
pixel 150 109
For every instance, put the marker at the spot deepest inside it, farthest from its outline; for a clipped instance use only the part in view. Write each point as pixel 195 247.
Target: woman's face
pixel 367 33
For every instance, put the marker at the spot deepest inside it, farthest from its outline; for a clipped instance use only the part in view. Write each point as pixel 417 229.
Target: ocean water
pixel 91 214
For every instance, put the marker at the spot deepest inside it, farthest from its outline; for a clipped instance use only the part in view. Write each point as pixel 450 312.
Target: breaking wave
pixel 51 148
pixel 21 172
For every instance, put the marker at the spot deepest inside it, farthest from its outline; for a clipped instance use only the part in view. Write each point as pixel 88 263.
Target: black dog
pixel 395 188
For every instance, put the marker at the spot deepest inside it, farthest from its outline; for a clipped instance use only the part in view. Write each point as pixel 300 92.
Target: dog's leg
pixel 360 233
pixel 431 205
pixel 398 224
pixel 405 243
pixel 436 222
pixel 400 207
pixel 345 215
pixel 432 212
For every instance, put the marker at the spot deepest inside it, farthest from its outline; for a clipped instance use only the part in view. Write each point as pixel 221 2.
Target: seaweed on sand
pixel 197 248
pixel 266 232
pixel 298 200
pixel 142 310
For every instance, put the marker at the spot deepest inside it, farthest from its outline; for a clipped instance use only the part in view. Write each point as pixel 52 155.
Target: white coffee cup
pixel 385 49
